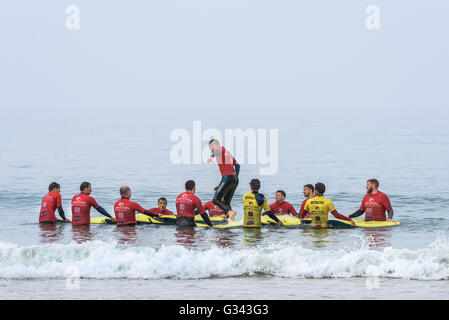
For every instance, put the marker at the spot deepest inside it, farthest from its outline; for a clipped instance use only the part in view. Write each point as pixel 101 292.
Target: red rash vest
pixel 125 211
pixel 213 209
pixel 157 211
pixel 81 204
pixel 50 202
pixel 186 203
pixel 375 205
pixel 226 162
pixel 283 208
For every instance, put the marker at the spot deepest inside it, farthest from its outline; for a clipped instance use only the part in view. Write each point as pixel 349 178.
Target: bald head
pixel 125 192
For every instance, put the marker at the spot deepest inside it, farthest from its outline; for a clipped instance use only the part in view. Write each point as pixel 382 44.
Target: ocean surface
pixel 163 262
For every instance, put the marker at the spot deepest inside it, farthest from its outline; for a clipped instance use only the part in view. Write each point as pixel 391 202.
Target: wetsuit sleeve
pixel 390 214
pixel 103 211
pixel 151 214
pixel 61 213
pixel 356 214
pixel 387 205
pixel 206 219
pixel 138 208
pixel 237 168
pixel 272 215
pixel 293 211
pixel 339 216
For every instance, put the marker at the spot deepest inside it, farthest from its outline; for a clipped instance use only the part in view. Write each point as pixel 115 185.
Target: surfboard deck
pixel 359 223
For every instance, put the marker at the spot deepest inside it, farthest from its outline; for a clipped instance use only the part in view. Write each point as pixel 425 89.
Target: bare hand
pixel 390 220
pixel 352 222
pixel 67 220
pixel 113 219
pixel 280 223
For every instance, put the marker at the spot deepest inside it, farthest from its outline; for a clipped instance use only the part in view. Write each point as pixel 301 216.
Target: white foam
pixel 98 259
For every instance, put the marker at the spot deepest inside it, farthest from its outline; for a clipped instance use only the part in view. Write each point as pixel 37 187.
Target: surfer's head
pixel 125 192
pixel 54 187
pixel 308 190
pixel 372 185
pixel 86 188
pixel 320 188
pixel 213 145
pixel 190 186
pixel 255 185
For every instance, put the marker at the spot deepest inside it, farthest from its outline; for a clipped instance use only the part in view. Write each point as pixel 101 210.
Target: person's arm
pixel 356 214
pixel 216 153
pixel 61 213
pixel 387 205
pixel 390 214
pixel 237 168
pixel 293 211
pixel 149 213
pixel 138 208
pixel 103 211
pixel 272 216
pixel 206 219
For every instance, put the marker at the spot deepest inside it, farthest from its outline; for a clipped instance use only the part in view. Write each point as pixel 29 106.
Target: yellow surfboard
pixel 287 220
pixel 360 223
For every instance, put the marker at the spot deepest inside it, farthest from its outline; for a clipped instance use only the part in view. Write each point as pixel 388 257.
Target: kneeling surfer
pixel 188 205
pixel 319 208
pixel 253 203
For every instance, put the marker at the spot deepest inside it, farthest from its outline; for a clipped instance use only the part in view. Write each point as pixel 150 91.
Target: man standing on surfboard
pixel 319 208
pixel 374 204
pixel 229 169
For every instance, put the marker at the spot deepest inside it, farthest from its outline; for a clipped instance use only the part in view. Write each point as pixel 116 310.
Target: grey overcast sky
pixel 176 59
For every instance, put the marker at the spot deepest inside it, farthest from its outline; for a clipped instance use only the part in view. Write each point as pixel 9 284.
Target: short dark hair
pixel 310 186
pixel 320 187
pixel 53 185
pixel 282 192
pixel 215 189
pixel 124 190
pixel 214 140
pixel 162 198
pixel 190 184
pixel 255 184
pixel 374 181
pixel 84 185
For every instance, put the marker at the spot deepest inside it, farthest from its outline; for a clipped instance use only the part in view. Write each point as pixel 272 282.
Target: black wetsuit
pixel 225 192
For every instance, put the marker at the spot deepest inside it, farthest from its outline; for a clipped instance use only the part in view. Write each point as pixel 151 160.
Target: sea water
pixel 159 261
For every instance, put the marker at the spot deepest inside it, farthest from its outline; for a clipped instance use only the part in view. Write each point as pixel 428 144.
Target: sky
pixel 248 64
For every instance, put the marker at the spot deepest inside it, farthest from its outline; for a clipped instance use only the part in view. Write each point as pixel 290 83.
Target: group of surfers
pixel 375 204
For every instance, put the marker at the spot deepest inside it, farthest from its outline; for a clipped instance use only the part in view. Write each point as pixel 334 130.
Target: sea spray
pixel 109 260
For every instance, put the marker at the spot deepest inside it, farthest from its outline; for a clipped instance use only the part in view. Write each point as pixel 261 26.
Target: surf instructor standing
pixel 229 169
